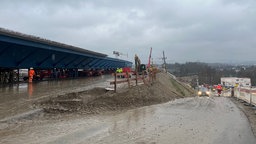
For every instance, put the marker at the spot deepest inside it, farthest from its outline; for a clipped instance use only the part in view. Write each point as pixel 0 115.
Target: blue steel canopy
pixel 18 50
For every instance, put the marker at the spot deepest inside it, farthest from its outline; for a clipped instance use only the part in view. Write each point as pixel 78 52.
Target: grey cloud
pixel 198 30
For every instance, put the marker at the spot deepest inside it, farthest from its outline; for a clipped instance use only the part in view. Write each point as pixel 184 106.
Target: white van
pixel 23 74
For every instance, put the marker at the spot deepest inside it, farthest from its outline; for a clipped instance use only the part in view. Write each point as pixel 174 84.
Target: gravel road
pixel 195 120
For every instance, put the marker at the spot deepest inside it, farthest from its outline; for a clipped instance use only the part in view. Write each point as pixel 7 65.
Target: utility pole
pixel 164 58
pixel 149 58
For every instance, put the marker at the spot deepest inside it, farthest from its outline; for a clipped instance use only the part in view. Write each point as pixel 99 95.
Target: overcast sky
pixel 187 30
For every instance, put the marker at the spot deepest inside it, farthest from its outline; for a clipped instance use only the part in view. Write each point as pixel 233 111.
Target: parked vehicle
pixel 40 74
pixel 23 74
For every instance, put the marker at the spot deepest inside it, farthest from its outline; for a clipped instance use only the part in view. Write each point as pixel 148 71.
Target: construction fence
pixel 144 77
pixel 247 94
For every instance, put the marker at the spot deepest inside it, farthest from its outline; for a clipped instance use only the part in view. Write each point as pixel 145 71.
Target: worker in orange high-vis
pixel 31 74
pixel 219 89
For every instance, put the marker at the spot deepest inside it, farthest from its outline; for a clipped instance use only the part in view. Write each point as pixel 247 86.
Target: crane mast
pixel 149 58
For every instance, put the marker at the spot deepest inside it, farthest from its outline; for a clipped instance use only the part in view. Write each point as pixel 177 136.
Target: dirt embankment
pixel 99 100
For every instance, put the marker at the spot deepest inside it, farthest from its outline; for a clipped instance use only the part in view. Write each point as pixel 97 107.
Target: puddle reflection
pixel 30 90
pixel 132 119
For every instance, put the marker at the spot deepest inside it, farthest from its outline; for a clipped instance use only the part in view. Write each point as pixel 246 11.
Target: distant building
pixel 234 81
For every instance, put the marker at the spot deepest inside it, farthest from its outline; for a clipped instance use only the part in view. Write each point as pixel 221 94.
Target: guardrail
pixel 247 94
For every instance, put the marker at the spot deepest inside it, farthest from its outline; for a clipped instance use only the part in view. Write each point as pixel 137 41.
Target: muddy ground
pixel 98 100
pixel 193 120
pixel 129 116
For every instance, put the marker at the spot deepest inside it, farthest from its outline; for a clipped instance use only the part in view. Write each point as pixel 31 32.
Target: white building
pixel 234 81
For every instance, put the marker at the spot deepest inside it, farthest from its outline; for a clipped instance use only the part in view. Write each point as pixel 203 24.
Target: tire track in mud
pixel 190 120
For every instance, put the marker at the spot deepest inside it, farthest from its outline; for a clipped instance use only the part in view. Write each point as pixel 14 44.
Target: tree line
pixel 211 73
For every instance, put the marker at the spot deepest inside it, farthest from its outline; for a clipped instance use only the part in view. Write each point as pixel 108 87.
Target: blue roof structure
pixel 19 50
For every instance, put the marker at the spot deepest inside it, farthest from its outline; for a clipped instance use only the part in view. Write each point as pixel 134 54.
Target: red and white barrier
pixel 247 94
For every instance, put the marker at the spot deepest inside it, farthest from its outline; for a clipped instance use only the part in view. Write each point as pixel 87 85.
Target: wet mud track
pixel 195 120
pixel 19 98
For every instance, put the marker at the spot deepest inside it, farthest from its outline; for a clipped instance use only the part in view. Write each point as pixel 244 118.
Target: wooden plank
pixel 117 82
pixel 109 89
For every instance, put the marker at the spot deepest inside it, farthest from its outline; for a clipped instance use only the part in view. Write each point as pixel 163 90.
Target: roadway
pixel 194 120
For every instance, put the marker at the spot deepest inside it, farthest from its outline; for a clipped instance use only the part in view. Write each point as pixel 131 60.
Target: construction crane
pixel 117 54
